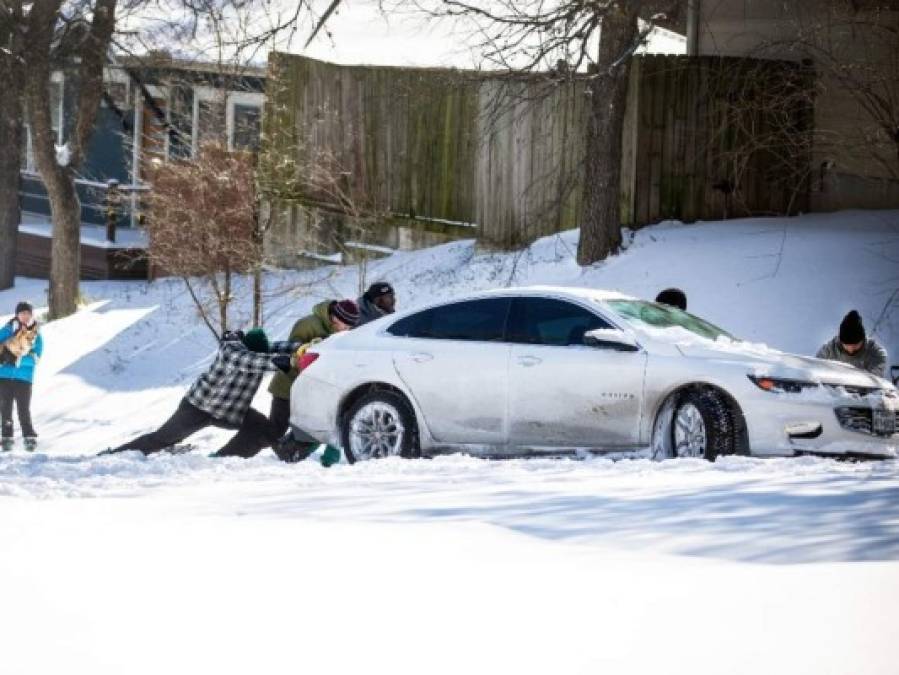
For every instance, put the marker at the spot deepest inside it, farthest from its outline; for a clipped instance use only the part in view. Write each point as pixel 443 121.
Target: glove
pixel 330 456
pixel 282 362
pixel 233 336
pixel 295 358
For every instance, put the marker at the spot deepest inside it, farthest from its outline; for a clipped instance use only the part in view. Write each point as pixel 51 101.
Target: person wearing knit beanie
pixel 344 311
pixel 326 318
pixel 852 332
pixel 852 346
pixel 379 300
pixel 673 297
pixel 256 341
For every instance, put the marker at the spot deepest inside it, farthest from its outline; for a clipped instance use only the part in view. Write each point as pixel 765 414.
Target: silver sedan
pixel 561 370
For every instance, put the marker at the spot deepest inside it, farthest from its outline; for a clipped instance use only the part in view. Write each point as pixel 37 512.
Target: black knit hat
pixel 377 289
pixel 24 307
pixel 345 310
pixel 852 331
pixel 673 297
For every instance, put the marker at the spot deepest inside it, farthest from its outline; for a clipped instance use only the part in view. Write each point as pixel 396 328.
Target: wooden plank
pixel 656 139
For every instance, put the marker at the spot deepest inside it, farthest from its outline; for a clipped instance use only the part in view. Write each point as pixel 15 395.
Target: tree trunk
pixel 10 163
pixel 12 112
pixel 65 252
pixel 59 177
pixel 601 217
pixel 225 300
pixel 257 296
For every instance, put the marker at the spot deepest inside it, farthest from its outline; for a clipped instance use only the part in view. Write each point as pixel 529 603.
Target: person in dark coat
pixel 222 396
pixel 853 346
pixel 673 297
pixel 22 346
pixel 379 300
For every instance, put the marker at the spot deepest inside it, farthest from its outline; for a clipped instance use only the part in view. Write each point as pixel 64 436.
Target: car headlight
pixel 779 385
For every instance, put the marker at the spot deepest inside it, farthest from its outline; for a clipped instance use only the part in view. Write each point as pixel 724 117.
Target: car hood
pixel 763 361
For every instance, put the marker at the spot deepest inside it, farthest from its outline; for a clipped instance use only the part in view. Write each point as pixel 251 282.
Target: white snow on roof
pixel 597 294
pixel 91 235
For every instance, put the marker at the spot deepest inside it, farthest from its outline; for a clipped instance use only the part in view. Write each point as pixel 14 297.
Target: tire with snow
pixel 380 424
pixel 703 426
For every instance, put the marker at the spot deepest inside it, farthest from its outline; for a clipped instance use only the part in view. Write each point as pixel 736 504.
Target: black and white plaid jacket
pixel 226 390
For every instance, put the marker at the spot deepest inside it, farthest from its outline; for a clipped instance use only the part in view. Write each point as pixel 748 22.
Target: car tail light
pixel 306 360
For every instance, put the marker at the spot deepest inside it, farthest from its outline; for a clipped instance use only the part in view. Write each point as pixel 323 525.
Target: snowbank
pixel 119 367
pixel 126 564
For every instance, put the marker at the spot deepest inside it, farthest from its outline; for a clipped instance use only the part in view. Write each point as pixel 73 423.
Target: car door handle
pixel 528 361
pixel 422 357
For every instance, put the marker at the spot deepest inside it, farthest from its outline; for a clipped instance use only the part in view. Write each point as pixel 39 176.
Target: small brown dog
pixel 19 344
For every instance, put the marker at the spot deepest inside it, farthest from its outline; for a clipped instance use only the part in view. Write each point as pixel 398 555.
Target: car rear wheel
pixel 380 424
pixel 703 426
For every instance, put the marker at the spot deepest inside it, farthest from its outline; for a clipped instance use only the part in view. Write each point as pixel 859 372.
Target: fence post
pixel 112 206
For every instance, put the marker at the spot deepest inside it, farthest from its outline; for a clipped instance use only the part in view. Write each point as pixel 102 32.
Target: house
pixel 154 108
pixel 853 51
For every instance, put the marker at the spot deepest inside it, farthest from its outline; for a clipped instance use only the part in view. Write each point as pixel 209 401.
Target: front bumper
pixel 824 424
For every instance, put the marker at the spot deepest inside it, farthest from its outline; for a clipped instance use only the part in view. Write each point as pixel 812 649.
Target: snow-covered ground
pixel 178 564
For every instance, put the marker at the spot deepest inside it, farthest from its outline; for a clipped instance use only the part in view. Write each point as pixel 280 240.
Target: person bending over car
pixel 853 346
pixel 327 318
pixel 673 297
pixel 379 300
pixel 222 396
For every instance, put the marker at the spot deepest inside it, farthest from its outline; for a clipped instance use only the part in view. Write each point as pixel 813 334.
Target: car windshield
pixel 663 316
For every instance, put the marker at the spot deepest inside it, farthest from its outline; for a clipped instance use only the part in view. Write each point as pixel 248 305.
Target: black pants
pixel 253 434
pixel 18 392
pixel 279 417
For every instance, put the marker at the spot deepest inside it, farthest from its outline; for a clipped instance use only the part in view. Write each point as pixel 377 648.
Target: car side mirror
pixel 611 338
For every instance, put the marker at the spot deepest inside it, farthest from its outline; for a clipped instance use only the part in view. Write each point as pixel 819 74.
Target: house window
pixel 181 116
pixel 210 121
pixel 247 122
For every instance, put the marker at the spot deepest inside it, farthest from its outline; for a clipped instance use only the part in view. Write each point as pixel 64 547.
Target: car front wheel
pixel 703 426
pixel 380 424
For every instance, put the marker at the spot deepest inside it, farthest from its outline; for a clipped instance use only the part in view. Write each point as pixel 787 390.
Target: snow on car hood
pixel 762 360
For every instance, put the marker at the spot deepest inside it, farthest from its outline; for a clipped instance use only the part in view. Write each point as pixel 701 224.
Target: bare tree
pixel 58 164
pixel 83 32
pixel 590 42
pixel 202 226
pixel 12 103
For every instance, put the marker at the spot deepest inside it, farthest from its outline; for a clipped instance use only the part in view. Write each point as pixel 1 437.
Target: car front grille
pixel 861 419
pixel 853 390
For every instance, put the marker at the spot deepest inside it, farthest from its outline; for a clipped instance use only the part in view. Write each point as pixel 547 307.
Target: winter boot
pixel 290 450
pixel 7 444
pixel 31 443
pixel 330 456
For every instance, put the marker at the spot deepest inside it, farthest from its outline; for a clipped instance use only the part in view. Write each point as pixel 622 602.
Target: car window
pixel 663 316
pixel 482 320
pixel 544 321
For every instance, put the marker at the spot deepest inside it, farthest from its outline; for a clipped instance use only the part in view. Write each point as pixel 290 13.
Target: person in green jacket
pixel 327 318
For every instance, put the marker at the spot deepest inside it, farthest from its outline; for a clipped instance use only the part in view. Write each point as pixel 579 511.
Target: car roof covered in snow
pixel 597 294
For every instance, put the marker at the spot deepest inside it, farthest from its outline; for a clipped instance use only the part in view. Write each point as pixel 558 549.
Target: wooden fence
pixel 704 138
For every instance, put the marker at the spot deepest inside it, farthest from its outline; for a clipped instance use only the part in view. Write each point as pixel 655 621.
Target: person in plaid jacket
pixel 222 396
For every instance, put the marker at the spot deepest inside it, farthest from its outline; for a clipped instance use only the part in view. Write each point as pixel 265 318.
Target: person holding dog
pixel 22 346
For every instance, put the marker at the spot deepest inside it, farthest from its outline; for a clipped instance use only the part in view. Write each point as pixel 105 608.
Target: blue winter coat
pixel 25 370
